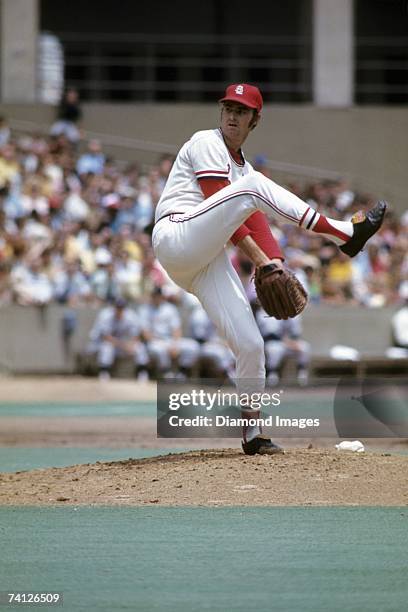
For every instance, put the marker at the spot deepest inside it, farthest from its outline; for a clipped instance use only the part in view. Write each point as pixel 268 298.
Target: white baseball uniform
pixel 162 321
pixel 191 232
pixel 126 328
pixel 274 333
pixel 212 348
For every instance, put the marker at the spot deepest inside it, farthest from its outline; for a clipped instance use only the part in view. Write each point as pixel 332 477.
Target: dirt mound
pixel 222 477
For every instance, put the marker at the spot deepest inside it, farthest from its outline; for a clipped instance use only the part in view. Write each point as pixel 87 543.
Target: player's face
pixel 236 122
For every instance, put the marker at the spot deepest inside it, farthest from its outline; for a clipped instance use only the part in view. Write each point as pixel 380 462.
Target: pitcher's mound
pixel 220 478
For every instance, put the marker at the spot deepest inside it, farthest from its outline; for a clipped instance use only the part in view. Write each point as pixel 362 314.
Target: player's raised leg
pixel 196 236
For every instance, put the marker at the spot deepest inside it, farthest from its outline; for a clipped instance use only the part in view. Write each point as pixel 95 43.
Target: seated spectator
pixel 10 168
pixel 153 273
pixel 34 200
pixel 118 332
pixel 75 207
pixel 71 285
pixel 344 196
pixel 6 295
pixel 332 293
pixel 171 354
pixel 128 275
pixel 147 198
pixel 339 273
pixel 103 283
pixel 31 285
pixel 93 161
pixel 6 240
pixel 126 212
pixel 283 339
pixel 165 165
pixel 35 230
pixel 313 283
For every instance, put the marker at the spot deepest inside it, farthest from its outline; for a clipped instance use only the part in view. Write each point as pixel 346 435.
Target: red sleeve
pixel 239 234
pixel 260 231
pixel 209 186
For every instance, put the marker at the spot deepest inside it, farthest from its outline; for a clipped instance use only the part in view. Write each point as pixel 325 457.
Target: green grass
pixel 224 559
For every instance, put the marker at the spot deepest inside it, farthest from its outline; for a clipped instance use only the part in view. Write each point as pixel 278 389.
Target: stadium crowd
pixel 75 229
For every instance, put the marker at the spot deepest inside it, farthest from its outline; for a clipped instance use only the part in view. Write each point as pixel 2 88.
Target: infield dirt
pixel 316 476
pixel 222 477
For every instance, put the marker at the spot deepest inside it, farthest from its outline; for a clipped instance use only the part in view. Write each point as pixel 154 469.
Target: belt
pixel 169 215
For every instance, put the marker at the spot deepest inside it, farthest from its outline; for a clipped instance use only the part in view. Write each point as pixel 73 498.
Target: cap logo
pixel 239 89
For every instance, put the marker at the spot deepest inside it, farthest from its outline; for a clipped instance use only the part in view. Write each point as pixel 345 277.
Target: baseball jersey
pixel 162 320
pixel 107 324
pixel 205 155
pixel 272 329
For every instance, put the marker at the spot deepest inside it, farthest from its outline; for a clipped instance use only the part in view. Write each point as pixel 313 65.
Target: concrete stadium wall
pixel 32 339
pixel 369 145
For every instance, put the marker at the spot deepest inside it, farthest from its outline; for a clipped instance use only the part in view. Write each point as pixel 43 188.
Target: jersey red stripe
pixel 212 172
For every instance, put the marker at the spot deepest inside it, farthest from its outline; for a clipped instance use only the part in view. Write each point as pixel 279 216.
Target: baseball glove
pixel 279 292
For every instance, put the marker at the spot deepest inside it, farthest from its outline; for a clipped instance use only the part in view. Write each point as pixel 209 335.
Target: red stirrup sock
pixel 338 231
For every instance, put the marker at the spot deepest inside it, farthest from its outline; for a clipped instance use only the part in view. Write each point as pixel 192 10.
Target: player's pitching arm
pixel 255 253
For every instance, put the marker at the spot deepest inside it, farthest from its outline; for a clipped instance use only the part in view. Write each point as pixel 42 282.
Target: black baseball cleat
pixel 365 226
pixel 261 445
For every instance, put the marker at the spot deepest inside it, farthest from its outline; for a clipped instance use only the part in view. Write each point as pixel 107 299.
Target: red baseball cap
pixel 245 94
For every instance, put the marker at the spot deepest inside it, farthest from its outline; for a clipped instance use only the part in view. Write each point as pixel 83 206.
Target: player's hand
pixel 278 262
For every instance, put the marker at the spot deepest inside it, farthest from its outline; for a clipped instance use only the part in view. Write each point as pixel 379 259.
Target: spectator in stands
pixel 33 199
pixel 74 207
pixel 127 210
pixel 153 273
pixel 339 274
pixel 10 169
pixel 147 198
pixel 343 194
pixel 171 354
pixel 118 332
pixel 128 275
pixel 54 201
pixel 31 285
pixel 166 162
pixel 69 115
pixel 5 288
pixel 104 285
pixel 36 230
pixel 71 285
pixel 313 283
pixel 93 161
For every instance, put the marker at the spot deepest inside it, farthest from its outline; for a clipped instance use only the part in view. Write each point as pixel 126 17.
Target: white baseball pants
pixel 159 351
pixel 107 353
pixel 277 351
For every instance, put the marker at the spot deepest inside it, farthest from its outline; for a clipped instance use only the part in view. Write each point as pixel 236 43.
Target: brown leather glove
pixel 279 292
